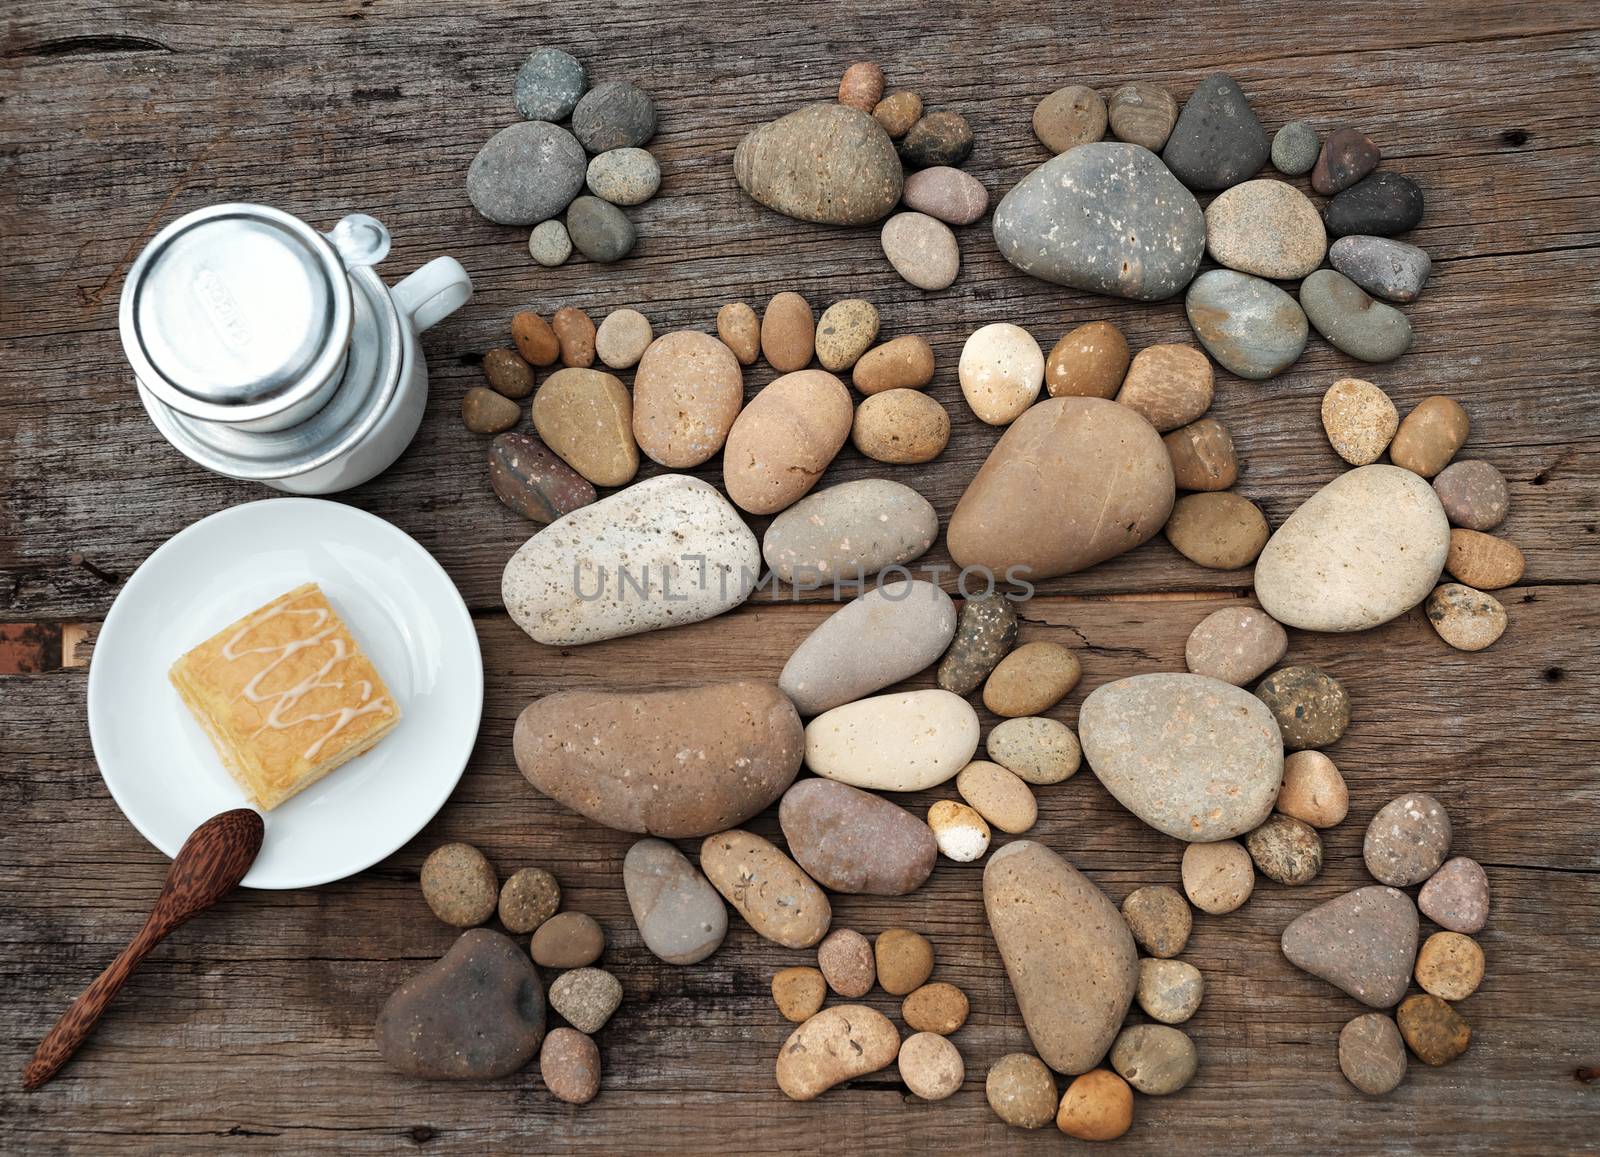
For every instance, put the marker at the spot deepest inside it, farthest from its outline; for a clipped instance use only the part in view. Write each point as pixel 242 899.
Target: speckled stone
pixel 1169 991
pixel 1392 270
pixel 1203 457
pixel 844 332
pixel 1407 840
pixel 1235 645
pixel 617 114
pixel 599 230
pixel 529 898
pixel 1249 325
pixel 1142 113
pixel 483 411
pixel 1473 493
pixel 624 176
pixel 687 392
pixel 1359 419
pixel 1267 228
pixel 1450 966
pixel 1218 877
pixel 826 162
pixel 549 244
pixel 1022 1091
pixel 853 841
pixel 549 85
pixel 901 427
pixel 848 533
pixel 1380 205
pixel 1347 156
pixel 1295 148
pixel 1286 850
pixel 1035 749
pixel 1311 708
pixel 739 329
pixel 586 997
pixel 1363 942
pixel 459 884
pixel 986 632
pixel 569 1064
pixel 861 86
pixel 778 900
pixel 1070 116
pixel 1456 897
pixel 526 173
pixel 902 363
pixel 1467 619
pixel 1351 320
pixel 845 960
pixel 1159 918
pixel 922 250
pixel 1372 1053
pixel 1001 370
pixel 1156 1059
pixel 835 1045
pixel 1217 141
pixel 1484 561
pixel 1434 1031
pixel 938 138
pixel 574 333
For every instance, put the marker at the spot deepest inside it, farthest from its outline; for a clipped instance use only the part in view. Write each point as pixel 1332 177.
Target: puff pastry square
pixel 286 695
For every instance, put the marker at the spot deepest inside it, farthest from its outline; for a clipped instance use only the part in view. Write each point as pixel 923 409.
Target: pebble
pixel 938 138
pixel 624 176
pixel 586 998
pixel 1097 1106
pixel 784 439
pixel 1434 1031
pixel 1168 385
pixel 930 1066
pixel 1159 918
pixel 1456 897
pixel 844 331
pixel 1362 942
pixel 827 163
pixel 1473 493
pixel 1169 991
pixel 1235 645
pixel 1070 957
pixel 679 915
pixel 507 374
pixel 778 900
pixel 1142 113
pixel 1217 140
pixel 568 940
pixel 614 115
pixel 1311 707
pixel 886 635
pixel 922 250
pixel 1392 270
pixel 1068 117
pixel 836 1045
pixel 788 332
pixel 1202 455
pixel 1430 436
pixel 621 340
pixel 1268 228
pixel 1088 362
pixel 575 333
pixel 1192 757
pixel 476 1013
pixel 1069 222
pixel 459 884
pixel 1021 1090
pixel 1031 679
pixel 586 417
pixel 1221 530
pixel 549 84
pixel 908 741
pixel 1295 149
pixel 1313 790
pixel 903 363
pixel 549 244
pixel 939 1008
pixel 1250 326
pixel 536 341
pixel 687 392
pixel 529 898
pixel 948 194
pixel 897 112
pixel 1347 156
pixel 653 762
pixel 849 532
pixel 527 173
pixel 1450 966
pixel 861 86
pixel 1072 482
pixel 845 958
pixel 1483 561
pixel 961 833
pixel 740 330
pixel 1379 205
pixel 798 992
pixel 852 841
pixel 1351 321
pixel 678 530
pixel 1467 619
pixel 1360 420
pixel 1372 1054
pixel 998 795
pixel 485 412
pixel 905 961
pixel 1407 840
pixel 1037 750
pixel 1156 1059
pixel 901 427
pixel 1218 877
pixel 1364 549
pixel 986 632
pixel 569 1064
pixel 1286 850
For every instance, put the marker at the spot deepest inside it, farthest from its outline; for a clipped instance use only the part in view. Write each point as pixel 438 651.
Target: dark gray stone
pixel 1248 324
pixel 1311 708
pixel 1352 321
pixel 549 85
pixel 527 173
pixel 1217 141
pixel 615 115
pixel 986 632
pixel 939 138
pixel 1382 204
pixel 1295 148
pixel 599 230
pixel 1392 270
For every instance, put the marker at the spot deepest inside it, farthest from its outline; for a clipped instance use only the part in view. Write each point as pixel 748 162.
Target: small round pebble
pixel 1142 113
pixel 535 338
pixel 1286 850
pixel 740 330
pixel 569 1062
pixel 1457 896
pixel 901 427
pixel 1037 750
pixel 961 833
pixel 930 1066
pixel 1156 1059
pixel 1159 919
pixel 1473 493
pixel 1169 990
pixel 940 1008
pixel 845 958
pixel 1484 561
pixel 1203 456
pixel 1450 966
pixel 861 86
pixel 1313 791
pixel 1070 116
pixel 938 138
pixel 897 112
pixel 568 940
pixel 1235 645
pixel 529 898
pixel 999 795
pixel 624 176
pixel 483 411
pixel 1295 149
pixel 1434 1031
pixel 1097 1106
pixel 1022 1091
pixel 922 250
pixel 1218 877
pixel 615 115
pixel 904 959
pixel 1467 619
pixel 1031 679
pixel 1001 370
pixel 459 884
pixel 549 243
pixel 788 332
pixel 1372 1054
pixel 844 332
pixel 549 85
pixel 623 337
pixel 507 373
pixel 599 230
pixel 1220 530
pixel 586 998
pixel 1407 840
pixel 1360 420
pixel 1088 362
pixel 799 992
pixel 1311 708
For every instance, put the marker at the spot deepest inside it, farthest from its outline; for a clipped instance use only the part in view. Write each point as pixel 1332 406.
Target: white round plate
pixel 404 612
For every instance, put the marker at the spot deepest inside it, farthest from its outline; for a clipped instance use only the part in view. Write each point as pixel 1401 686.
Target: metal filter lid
pixel 236 312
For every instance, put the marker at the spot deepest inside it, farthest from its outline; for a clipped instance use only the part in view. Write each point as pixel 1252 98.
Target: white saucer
pixel 403 610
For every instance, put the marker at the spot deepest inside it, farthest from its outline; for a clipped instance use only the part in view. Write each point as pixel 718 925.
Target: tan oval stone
pixel 998 795
pixel 901 427
pixel 767 888
pixel 622 338
pixel 1070 116
pixel 940 1008
pixel 1088 362
pixel 686 394
pixel 834 1046
pixel 1467 619
pixel 1235 644
pixel 1450 966
pixel 780 444
pixel 922 249
pixel 1022 1091
pixel 1360 420
pixel 1159 919
pixel 903 363
pixel 575 333
pixel 1430 436
pixel 799 992
pixel 1483 561
pixel 1001 371
pixel 1170 991
pixel 1170 385
pixel 1035 749
pixel 1218 877
pixel 844 331
pixel 1202 456
pixel 905 960
pixel 586 417
pixel 1220 530
pixel 1267 228
pixel 1142 113
pixel 740 331
pixel 897 112
pixel 845 958
pixel 930 1066
pixel 1313 790
pixel 788 332
pixel 1031 679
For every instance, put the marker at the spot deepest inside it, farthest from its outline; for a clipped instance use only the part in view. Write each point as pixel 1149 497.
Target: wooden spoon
pixel 210 864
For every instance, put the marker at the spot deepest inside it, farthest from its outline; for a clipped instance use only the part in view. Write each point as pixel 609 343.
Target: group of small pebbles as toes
pixel 534 171
pixel 855 161
pixel 479 1011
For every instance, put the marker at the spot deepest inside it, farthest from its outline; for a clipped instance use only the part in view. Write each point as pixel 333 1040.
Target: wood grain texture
pixel 252 1026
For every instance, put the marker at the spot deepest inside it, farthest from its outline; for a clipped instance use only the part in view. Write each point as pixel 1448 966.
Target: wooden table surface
pixel 251 1030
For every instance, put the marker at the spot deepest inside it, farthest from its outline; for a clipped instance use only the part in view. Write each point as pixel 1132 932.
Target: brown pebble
pixel 1218 877
pixel 622 338
pixel 568 940
pixel 844 331
pixel 740 331
pixel 1434 1031
pixel 905 363
pixel 1171 385
pixel 1313 791
pixel 507 373
pixel 1218 529
pixel 938 138
pixel 1202 456
pixel 901 427
pixel 1473 493
pixel 536 341
pixel 1430 436
pixel 904 960
pixel 897 112
pixel 569 1062
pixel 940 1008
pixel 575 331
pixel 1031 679
pixel 1070 116
pixel 1372 1054
pixel 1450 966
pixel 1484 561
pixel 788 332
pixel 1359 419
pixel 1022 1091
pixel 1088 362
pixel 1098 1106
pixel 930 1066
pixel 1159 919
pixel 1465 617
pixel 1142 113
pixel 861 86
pixel 1286 850
pixel 799 992
pixel 459 884
pixel 586 417
pixel 529 898
pixel 485 412
pixel 845 958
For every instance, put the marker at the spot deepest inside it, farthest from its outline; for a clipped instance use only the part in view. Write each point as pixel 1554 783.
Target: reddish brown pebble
pixel 1088 362
pixel 1202 456
pixel 485 412
pixel 536 341
pixel 529 478
pixel 861 86
pixel 1434 1031
pixel 1484 561
pixel 905 363
pixel 1347 156
pixel 1097 1106
pixel 575 331
pixel 1429 436
pixel 845 958
pixel 507 373
pixel 570 1066
pixel 740 331
pixel 788 332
